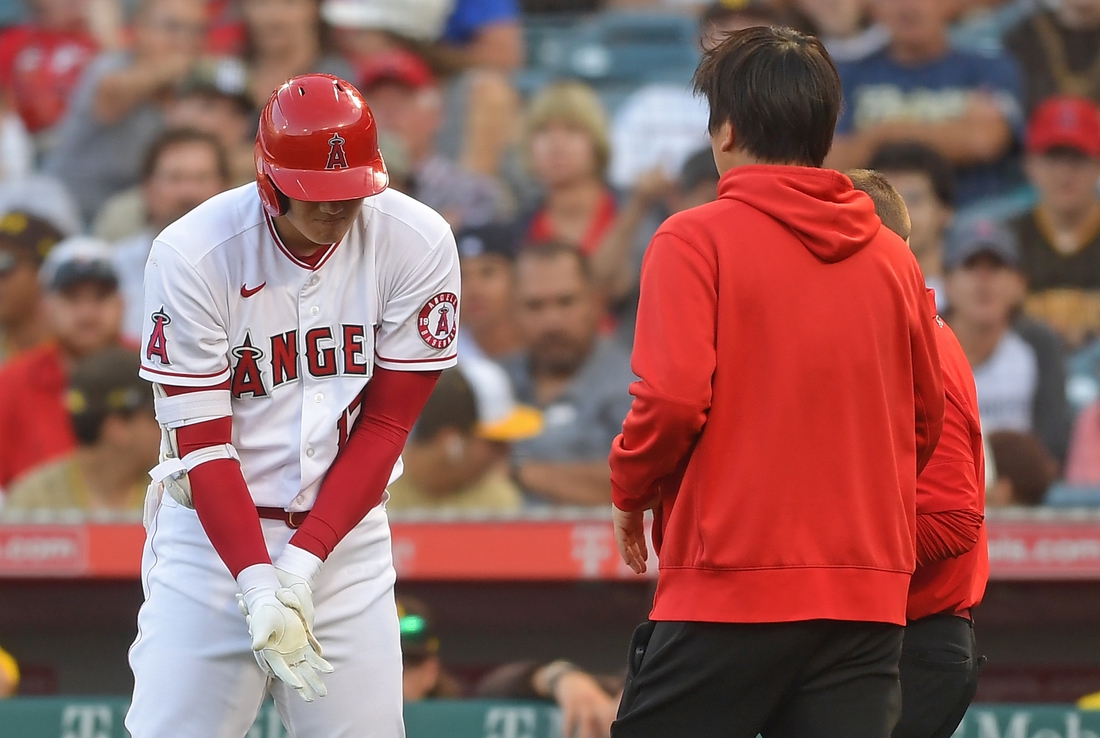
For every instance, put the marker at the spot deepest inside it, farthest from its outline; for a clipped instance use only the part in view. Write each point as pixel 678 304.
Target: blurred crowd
pixel 554 136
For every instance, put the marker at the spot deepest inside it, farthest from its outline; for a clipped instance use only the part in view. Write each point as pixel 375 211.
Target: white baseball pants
pixel 194 673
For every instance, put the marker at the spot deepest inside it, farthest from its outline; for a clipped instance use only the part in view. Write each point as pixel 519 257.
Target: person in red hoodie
pixel 789 394
pixel 939 666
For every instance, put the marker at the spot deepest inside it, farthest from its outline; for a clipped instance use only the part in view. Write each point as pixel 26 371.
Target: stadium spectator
pixel 284 39
pixel 588 703
pixel 118 437
pixel 407 102
pixel 660 125
pixel 981 25
pixel 458 452
pixel 1083 458
pixel 984 285
pixel 926 181
pixel 1058 49
pixel 42 60
pixel 964 105
pixel 43 197
pixel 579 381
pixel 9 674
pixel 213 100
pixel 487 256
pixel 423 676
pixel 567 151
pixel 1060 238
pixel 648 205
pixel 182 169
pixel 1025 470
pixel 475 45
pixel 844 26
pixel 24 242
pixel 84 310
pixel 117 108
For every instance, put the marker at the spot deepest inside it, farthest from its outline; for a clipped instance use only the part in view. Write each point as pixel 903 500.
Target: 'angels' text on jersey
pixel 296 341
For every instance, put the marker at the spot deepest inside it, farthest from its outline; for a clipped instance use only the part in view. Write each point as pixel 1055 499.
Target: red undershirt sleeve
pixel 219 493
pixel 355 483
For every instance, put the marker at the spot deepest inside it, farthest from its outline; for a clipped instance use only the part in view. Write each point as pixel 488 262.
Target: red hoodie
pixel 952 554
pixel 789 393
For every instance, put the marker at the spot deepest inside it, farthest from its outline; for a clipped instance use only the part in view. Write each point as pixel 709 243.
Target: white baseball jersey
pixel 225 299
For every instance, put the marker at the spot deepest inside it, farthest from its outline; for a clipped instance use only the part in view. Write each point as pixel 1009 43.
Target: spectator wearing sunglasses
pixel 24 242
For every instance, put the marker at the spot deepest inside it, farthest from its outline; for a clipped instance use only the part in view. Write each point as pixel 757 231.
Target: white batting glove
pixel 281 641
pixel 296 569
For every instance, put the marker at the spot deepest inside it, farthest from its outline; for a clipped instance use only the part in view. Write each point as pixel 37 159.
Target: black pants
pixel 939 676
pixel 816 679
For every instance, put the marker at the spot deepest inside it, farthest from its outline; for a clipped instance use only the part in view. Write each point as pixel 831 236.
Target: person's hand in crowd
pixel 652 187
pixel 173 67
pixel 587 710
pixel 630 536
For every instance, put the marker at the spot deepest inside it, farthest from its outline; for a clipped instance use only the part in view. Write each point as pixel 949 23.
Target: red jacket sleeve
pixel 220 495
pixel 673 394
pixel 949 493
pixel 927 373
pixel 355 483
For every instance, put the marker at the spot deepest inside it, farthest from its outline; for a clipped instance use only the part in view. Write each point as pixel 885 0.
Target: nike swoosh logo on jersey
pixel 245 292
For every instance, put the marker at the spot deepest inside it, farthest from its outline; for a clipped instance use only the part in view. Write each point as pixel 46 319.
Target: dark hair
pixel 889 206
pixel 1025 462
pixel 452 405
pixel 778 89
pixel 919 159
pixel 179 137
pixel 699 168
pixel 551 250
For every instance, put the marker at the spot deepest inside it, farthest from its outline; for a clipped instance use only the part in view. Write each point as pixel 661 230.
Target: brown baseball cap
pixel 108 382
pixel 29 235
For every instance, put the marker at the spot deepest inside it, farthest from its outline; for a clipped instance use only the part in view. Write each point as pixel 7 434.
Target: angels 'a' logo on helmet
pixel 337 159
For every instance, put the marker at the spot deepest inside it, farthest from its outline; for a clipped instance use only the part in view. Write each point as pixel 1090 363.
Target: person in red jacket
pixel 939 667
pixel 789 394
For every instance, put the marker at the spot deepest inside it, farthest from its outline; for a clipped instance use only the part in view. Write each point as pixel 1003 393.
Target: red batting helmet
pixel 317 142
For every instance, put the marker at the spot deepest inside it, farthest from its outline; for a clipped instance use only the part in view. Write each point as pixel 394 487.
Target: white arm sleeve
pixel 183 339
pixel 420 314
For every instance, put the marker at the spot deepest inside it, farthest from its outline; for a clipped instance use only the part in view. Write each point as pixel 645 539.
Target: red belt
pixel 291 519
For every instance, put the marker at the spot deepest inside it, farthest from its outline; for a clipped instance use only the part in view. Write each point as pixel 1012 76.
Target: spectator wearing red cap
pixel 407 102
pixel 1060 238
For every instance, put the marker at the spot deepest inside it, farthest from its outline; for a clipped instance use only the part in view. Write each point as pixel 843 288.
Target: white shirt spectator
pixel 1006 384
pixel 660 125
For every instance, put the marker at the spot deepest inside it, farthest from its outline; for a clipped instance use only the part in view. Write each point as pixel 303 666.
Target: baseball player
pixel 295 329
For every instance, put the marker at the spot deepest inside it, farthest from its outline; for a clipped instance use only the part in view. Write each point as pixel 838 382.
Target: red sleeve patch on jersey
pixel 437 322
pixel 158 343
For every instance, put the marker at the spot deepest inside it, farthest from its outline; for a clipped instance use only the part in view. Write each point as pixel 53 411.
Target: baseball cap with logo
pixel 1065 122
pixel 108 382
pixel 500 417
pixel 25 236
pixel 493 239
pixel 981 236
pixel 397 67
pixel 78 259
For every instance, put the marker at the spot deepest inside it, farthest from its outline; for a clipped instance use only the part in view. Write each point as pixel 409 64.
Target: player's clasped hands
pixel 283 642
